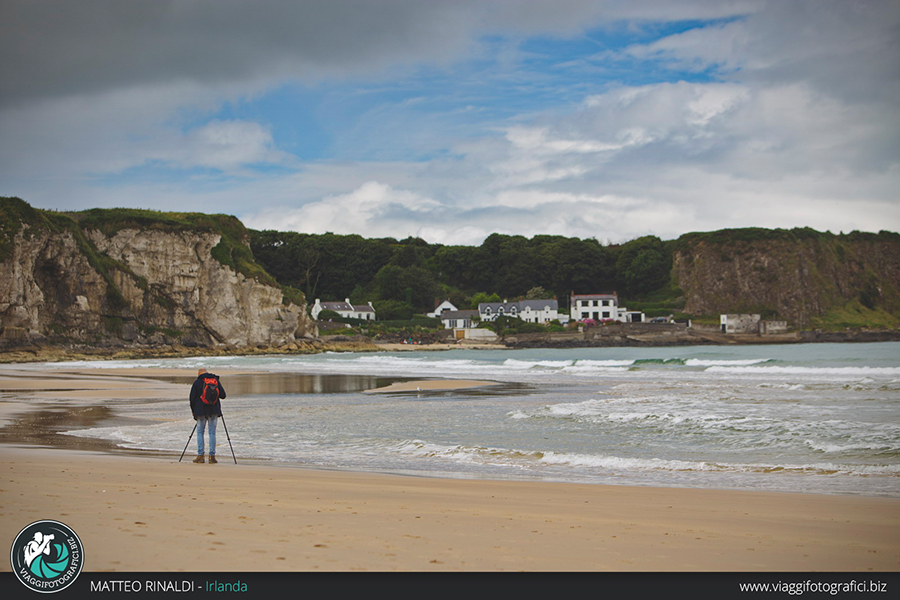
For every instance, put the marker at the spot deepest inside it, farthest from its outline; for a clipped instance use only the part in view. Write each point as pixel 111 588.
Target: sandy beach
pixel 153 513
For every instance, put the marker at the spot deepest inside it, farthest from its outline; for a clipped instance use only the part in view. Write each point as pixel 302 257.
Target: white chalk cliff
pixel 137 287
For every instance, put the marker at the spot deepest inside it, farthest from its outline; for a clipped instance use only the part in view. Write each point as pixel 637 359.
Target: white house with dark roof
pixel 531 311
pixel 441 308
pixel 365 312
pixel 601 307
pixel 459 319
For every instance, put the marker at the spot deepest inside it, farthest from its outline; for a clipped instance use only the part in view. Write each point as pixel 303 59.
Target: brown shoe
pixel 212 459
pixel 199 459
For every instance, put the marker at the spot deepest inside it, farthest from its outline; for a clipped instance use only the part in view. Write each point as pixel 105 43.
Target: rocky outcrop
pixel 799 276
pixel 64 283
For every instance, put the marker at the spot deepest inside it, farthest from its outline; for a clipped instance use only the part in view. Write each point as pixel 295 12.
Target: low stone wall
pixel 638 329
pixel 624 334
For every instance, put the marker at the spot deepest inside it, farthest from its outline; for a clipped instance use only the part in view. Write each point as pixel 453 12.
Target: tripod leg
pixel 188 442
pixel 229 440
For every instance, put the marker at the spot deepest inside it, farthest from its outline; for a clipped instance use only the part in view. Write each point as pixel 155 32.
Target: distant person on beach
pixel 206 393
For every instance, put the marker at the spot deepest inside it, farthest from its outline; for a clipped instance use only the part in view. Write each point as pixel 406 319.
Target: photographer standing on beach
pixel 205 395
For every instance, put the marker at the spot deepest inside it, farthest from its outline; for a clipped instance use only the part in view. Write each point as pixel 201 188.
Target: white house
pixel 735 323
pixel 538 311
pixel 531 311
pixel 601 307
pixel 594 306
pixel 441 308
pixel 365 312
pixel 745 323
pixel 459 319
pixel 624 315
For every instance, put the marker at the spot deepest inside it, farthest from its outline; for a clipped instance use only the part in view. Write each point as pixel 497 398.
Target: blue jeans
pixel 202 423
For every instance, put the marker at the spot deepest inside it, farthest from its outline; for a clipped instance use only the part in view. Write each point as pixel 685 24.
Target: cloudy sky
pixel 453 120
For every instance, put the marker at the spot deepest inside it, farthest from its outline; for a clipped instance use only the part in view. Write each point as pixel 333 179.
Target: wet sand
pixel 431 385
pixel 153 513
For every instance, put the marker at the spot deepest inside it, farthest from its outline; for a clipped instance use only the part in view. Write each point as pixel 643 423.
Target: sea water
pixel 815 418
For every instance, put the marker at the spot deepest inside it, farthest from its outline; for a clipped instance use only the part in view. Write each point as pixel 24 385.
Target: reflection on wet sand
pixel 43 427
pixel 243 384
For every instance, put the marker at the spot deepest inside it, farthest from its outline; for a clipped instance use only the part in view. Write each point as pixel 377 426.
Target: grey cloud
pixel 844 49
pixel 61 47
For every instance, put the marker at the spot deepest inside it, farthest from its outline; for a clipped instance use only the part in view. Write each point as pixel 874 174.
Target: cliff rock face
pixel 789 276
pixel 136 286
pixel 48 283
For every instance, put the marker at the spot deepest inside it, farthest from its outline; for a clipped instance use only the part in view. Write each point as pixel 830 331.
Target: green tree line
pixel 407 276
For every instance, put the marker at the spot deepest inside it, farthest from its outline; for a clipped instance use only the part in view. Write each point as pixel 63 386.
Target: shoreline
pixel 49 353
pixel 149 512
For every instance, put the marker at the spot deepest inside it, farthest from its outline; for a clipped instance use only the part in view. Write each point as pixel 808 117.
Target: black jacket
pixel 200 408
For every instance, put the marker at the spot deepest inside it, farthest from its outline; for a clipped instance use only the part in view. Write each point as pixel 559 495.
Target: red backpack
pixel 210 392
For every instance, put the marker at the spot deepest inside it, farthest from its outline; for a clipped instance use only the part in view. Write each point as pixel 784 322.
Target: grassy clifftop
pixel 232 250
pixel 754 235
pixel 15 214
